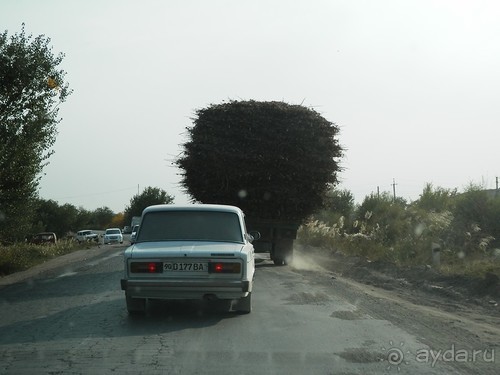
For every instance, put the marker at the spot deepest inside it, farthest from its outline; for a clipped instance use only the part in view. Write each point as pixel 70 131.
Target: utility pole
pixel 394 190
pixel 378 192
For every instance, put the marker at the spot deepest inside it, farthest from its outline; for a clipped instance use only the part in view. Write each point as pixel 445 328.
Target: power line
pixel 94 194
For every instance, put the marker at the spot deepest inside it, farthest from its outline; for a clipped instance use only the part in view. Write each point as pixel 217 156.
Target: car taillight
pixel 224 267
pixel 146 267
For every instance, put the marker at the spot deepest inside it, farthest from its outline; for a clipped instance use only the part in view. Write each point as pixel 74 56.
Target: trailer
pixel 276 238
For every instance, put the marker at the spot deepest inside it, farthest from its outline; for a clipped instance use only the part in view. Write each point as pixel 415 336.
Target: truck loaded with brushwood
pixel 272 159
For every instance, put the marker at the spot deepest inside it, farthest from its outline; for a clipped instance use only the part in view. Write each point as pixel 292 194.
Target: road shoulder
pixel 62 261
pixel 420 289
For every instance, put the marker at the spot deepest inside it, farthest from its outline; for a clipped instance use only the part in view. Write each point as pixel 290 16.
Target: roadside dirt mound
pixel 422 284
pixel 427 278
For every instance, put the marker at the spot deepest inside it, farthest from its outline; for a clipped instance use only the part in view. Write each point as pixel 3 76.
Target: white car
pixel 86 235
pixel 113 235
pixel 190 252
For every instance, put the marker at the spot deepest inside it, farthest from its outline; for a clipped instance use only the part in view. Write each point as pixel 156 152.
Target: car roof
pixel 193 207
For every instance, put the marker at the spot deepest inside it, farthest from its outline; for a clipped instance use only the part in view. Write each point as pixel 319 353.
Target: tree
pixel 272 159
pixel 31 88
pixel 118 220
pixel 148 197
pixel 102 217
pixel 70 215
pixel 84 219
pixel 47 217
pixel 50 217
pixel 381 213
pixel 337 204
pixel 339 201
pixel 436 199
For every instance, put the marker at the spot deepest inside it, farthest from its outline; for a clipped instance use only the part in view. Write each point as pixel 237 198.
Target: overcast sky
pixel 413 84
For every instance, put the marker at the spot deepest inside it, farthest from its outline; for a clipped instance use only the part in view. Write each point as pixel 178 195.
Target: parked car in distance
pixel 127 229
pixel 113 235
pixel 44 238
pixel 86 235
pixel 134 233
pixel 190 252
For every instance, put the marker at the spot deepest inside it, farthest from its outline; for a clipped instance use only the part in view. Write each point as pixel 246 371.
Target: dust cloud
pixel 304 263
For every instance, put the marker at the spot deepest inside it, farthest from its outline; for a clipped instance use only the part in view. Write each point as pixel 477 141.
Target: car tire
pixel 135 305
pixel 245 304
pixel 278 262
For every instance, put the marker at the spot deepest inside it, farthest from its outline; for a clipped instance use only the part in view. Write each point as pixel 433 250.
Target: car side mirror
pixel 254 235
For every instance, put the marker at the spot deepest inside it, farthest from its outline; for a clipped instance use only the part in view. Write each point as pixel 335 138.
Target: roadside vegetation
pixel 455 233
pixel 22 256
pixel 18 253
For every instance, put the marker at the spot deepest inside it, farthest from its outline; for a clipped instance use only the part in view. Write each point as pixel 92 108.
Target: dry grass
pixel 405 252
pixel 21 256
pixel 472 267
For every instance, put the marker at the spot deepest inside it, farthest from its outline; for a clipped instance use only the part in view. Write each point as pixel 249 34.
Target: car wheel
pixel 135 305
pixel 278 262
pixel 245 304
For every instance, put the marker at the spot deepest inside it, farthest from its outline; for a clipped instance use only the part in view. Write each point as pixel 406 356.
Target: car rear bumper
pixel 117 240
pixel 182 289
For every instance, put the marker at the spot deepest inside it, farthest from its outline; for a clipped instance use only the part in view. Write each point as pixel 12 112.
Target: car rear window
pixel 190 225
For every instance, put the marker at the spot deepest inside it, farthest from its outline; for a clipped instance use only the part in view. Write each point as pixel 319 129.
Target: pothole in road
pixel 347 315
pixel 360 355
pixel 305 298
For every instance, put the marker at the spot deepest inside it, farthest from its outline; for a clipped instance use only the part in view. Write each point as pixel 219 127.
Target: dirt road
pixel 69 316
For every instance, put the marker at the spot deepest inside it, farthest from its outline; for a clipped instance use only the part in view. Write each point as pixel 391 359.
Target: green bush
pixel 464 226
pixel 476 229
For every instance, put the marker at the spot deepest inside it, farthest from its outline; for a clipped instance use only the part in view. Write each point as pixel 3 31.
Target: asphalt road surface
pixel 69 317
